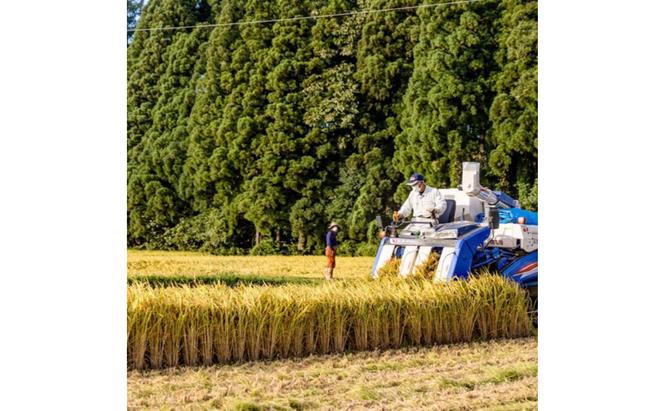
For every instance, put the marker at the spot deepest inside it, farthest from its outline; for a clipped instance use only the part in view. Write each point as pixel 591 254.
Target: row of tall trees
pixel 257 135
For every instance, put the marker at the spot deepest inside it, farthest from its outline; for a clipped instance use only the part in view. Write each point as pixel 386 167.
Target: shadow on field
pixel 229 279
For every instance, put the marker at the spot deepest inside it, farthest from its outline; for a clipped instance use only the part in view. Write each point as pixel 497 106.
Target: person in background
pixel 331 249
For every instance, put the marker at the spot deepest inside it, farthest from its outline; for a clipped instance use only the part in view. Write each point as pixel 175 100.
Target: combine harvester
pixel 479 228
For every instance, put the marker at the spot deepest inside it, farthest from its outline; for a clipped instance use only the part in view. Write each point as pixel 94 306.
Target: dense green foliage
pixel 253 137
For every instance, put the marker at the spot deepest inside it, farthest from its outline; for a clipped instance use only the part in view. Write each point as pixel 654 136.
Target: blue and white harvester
pixel 479 228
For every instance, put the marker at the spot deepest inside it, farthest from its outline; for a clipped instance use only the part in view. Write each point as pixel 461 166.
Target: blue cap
pixel 415 178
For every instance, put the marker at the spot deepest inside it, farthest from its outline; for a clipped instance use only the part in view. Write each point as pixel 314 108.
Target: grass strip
pixel 228 279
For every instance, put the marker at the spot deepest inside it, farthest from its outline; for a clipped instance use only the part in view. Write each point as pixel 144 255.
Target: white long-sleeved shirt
pixel 423 204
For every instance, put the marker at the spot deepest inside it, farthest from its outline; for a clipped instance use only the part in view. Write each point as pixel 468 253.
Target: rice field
pixel 192 264
pixel 169 326
pixel 252 333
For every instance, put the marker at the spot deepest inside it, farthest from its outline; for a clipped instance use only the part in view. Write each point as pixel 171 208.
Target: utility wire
pixel 312 17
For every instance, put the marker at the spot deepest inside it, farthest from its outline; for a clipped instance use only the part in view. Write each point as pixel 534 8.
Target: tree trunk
pixel 258 238
pixel 300 241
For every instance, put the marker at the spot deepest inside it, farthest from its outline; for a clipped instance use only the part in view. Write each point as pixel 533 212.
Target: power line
pixel 312 17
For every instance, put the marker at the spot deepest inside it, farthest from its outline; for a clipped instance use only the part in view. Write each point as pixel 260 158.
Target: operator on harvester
pixel 331 249
pixel 426 203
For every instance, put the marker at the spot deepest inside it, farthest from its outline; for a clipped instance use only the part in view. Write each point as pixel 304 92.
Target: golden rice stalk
pixel 502 306
pixel 137 330
pixel 170 326
pixel 390 269
pixel 427 269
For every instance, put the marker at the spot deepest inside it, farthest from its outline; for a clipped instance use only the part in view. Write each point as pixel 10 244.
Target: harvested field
pixel 495 375
pixel 218 324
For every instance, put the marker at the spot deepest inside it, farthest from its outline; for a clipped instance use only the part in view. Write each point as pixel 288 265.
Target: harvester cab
pixel 479 228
